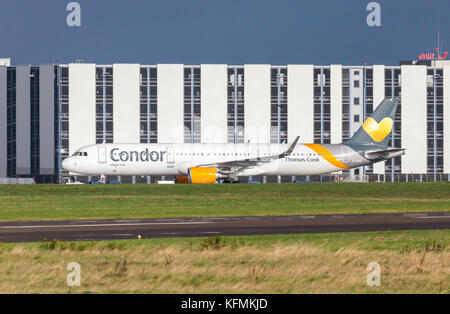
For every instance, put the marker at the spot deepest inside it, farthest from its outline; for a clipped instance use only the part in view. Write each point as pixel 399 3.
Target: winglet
pixel 290 149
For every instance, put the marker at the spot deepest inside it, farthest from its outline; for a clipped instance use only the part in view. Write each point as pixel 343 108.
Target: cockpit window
pixel 80 154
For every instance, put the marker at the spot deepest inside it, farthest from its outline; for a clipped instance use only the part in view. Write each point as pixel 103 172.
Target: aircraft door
pixel 102 154
pixel 170 155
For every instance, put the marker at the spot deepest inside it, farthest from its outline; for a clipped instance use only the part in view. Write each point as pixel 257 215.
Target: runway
pixel 96 230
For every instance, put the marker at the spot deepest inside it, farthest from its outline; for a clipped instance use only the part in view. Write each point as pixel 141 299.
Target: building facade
pixel 49 111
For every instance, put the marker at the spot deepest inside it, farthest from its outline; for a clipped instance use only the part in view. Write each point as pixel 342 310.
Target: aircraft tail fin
pixel 376 130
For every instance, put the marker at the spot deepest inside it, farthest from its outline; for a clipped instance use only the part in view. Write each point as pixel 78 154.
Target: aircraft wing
pixel 238 165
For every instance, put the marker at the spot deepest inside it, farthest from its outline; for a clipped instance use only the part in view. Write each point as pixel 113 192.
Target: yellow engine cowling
pixel 182 180
pixel 200 175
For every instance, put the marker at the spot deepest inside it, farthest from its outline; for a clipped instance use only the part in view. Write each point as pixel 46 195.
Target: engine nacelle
pixel 182 180
pixel 200 175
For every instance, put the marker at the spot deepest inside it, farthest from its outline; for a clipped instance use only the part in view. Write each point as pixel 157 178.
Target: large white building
pixel 48 112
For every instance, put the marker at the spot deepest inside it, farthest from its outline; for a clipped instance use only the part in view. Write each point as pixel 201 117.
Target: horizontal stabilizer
pixel 380 154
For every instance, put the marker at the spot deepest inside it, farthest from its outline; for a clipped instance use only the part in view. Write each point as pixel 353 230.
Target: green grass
pixel 59 202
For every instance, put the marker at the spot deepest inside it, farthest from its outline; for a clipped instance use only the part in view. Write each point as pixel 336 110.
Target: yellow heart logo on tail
pixel 378 131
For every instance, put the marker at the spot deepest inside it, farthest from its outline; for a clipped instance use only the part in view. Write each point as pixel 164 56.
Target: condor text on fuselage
pixel 146 155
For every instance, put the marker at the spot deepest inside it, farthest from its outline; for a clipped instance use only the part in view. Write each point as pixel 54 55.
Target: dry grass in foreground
pixel 218 268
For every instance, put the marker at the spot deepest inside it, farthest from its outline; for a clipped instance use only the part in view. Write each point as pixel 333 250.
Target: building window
pixel 278 120
pixel 192 105
pixel 356 84
pixel 149 108
pixel 322 122
pixel 356 118
pixel 356 101
pixel 104 105
pixel 236 109
pixel 34 117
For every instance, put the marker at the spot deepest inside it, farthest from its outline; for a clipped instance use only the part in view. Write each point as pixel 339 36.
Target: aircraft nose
pixel 67 163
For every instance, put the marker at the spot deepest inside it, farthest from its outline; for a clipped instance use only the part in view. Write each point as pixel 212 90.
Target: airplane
pixel 208 163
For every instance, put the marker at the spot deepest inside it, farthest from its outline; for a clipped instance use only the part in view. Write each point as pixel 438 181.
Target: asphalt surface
pixel 203 227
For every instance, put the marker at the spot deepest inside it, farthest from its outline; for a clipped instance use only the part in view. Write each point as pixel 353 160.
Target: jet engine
pixel 200 175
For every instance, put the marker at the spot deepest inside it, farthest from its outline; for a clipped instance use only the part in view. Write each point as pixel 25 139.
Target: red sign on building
pixel 433 56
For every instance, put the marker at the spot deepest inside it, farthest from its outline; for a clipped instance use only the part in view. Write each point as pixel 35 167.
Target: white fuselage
pixel 176 159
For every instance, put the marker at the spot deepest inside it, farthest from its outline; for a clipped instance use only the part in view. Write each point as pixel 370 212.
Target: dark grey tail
pixel 376 130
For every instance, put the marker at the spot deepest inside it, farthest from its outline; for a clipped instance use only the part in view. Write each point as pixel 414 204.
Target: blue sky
pixel 218 31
